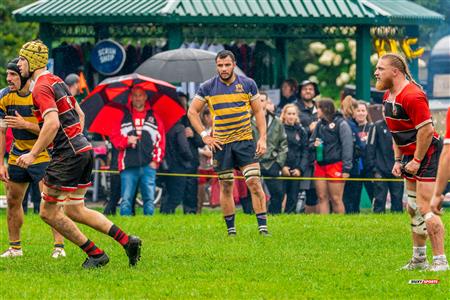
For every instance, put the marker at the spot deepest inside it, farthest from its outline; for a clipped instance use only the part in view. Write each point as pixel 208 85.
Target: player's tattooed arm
pixel 258 112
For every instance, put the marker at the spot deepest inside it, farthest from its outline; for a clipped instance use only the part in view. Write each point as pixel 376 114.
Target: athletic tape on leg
pixel 226 176
pixel 53 199
pixel 412 199
pixel 251 172
pixel 428 216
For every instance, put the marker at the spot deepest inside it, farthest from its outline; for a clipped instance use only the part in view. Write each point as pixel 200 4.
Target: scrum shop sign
pixel 108 57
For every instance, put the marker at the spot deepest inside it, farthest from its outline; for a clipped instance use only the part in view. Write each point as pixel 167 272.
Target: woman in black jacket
pixel 332 144
pixel 297 156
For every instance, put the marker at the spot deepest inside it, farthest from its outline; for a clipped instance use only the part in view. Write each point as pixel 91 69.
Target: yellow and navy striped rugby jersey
pixel 230 107
pixel 10 102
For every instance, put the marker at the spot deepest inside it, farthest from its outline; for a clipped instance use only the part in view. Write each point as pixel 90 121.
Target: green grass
pixel 352 257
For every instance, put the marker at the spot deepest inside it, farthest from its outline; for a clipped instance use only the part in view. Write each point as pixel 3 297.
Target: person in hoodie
pixel 332 144
pixel 352 190
pixel 179 159
pixel 195 142
pixel 274 158
pixel 297 156
pixel 141 145
pixel 380 160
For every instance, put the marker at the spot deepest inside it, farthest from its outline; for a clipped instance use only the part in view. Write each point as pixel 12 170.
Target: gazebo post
pixel 282 48
pixel 363 66
pixel 45 35
pixel 413 32
pixel 174 36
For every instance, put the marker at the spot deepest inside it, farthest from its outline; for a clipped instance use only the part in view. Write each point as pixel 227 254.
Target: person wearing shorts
pixel 68 174
pixel 332 144
pixel 416 147
pixel 230 98
pixel 15 112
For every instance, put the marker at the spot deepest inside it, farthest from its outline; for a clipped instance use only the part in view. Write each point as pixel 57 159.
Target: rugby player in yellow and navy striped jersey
pixel 16 112
pixel 232 99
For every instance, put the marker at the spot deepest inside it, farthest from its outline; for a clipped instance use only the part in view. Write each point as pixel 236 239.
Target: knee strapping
pixel 412 200
pixel 428 216
pixel 75 198
pixel 251 172
pixel 226 176
pixel 54 199
pixel 418 224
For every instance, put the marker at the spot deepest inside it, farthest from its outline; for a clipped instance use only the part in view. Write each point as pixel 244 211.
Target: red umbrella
pixel 104 106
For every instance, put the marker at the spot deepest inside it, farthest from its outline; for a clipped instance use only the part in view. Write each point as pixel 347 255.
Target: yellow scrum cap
pixel 36 53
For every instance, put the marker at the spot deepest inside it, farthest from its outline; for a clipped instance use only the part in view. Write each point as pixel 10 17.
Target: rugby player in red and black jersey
pixel 417 147
pixel 69 173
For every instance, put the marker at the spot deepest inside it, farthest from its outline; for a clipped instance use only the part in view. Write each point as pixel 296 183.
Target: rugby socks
pixel 91 249
pixel 262 222
pixel 117 234
pixel 16 245
pixel 420 253
pixel 440 257
pixel 56 245
pixel 229 220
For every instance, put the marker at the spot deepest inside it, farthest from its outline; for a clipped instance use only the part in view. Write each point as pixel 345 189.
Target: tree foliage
pixel 12 34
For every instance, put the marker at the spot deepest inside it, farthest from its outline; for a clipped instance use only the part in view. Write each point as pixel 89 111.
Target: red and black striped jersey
pixel 50 93
pixel 406 115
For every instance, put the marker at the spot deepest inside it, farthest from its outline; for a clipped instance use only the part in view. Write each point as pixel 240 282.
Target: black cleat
pixel 92 262
pixel 133 249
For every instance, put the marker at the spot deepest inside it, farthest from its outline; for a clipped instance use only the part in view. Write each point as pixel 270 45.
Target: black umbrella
pixel 181 65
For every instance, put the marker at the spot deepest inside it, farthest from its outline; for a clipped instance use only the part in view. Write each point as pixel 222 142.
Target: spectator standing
pixel 195 142
pixel 352 190
pixel 141 145
pixel 307 108
pixel 380 160
pixel 179 161
pixel 297 155
pixel 274 158
pixel 332 144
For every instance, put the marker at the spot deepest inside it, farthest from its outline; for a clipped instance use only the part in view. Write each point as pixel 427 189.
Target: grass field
pixel 352 257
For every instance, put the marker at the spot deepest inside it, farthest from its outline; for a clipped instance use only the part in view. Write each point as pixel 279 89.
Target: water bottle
pixel 319 151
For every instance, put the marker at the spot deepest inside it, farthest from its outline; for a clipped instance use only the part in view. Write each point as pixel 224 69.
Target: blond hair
pixel 399 62
pixel 284 111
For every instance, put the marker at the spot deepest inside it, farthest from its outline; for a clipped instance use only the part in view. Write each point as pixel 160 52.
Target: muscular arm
pixel 397 152
pixel 443 174
pixel 259 117
pixel 48 133
pixel 424 138
pixel 19 122
pixel 80 115
pixel 194 115
pixel 2 145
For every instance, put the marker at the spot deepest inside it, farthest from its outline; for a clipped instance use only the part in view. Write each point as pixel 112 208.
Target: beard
pixel 386 84
pixel 226 78
pixel 308 98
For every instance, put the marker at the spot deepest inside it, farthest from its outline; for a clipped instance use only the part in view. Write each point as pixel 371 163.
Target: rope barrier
pixel 269 178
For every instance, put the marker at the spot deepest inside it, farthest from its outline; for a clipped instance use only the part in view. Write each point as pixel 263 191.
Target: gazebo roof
pixel 289 12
